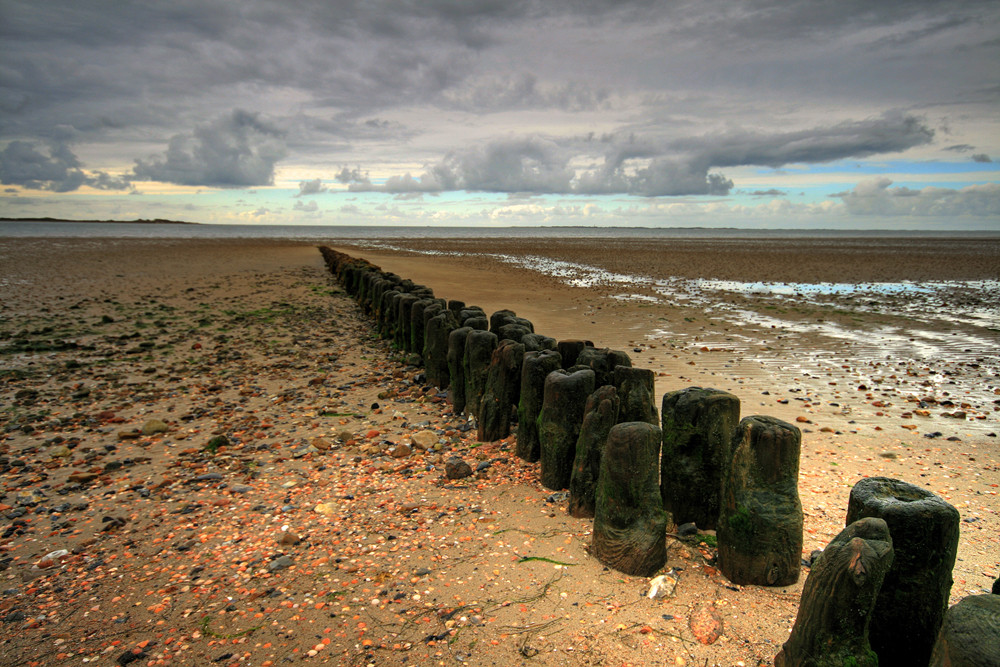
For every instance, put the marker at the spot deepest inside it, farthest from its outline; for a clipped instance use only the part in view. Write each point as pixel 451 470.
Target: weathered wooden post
pixel 500 396
pixel 637 393
pixel 914 597
pixel 436 335
pixel 500 318
pixel 603 362
pixel 416 324
pixel 599 415
pixel 479 346
pixel 970 634
pixel 456 369
pixel 536 367
pixel 760 522
pixel 630 525
pixel 534 342
pixel 569 350
pixel 402 329
pixel 563 401
pixel 698 430
pixel 831 628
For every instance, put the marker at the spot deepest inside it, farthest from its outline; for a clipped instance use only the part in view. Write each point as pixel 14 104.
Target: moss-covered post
pixel 563 401
pixel 698 428
pixel 500 396
pixel 569 350
pixel 479 346
pixel 599 415
pixel 630 525
pixel 536 367
pixel 970 634
pixel 914 597
pixel 456 370
pixel 436 335
pixel 760 522
pixel 831 628
pixel 603 362
pixel 637 393
pixel 401 334
pixel 415 325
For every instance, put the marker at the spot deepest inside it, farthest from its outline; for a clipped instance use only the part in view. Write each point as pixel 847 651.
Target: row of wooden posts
pixel 589 418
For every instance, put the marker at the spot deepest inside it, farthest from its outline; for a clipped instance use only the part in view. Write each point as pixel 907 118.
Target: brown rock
pixel 322 444
pixel 81 477
pixel 706 623
pixel 154 426
pixel 456 468
pixel 400 451
pixel 424 439
pixel 288 537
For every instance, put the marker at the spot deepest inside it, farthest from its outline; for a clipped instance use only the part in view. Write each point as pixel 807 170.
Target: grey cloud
pixel 309 207
pixel 768 193
pixel 21 163
pixel 236 150
pixel 959 148
pixel 889 133
pixel 355 175
pixel 523 90
pixel 313 187
pixel 981 157
pixel 653 168
pixel 876 197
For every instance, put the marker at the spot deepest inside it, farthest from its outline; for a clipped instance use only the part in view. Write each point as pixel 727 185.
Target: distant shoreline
pixel 139 221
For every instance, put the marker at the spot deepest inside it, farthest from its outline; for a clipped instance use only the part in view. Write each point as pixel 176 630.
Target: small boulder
pixel 424 439
pixel 456 468
pixel 154 426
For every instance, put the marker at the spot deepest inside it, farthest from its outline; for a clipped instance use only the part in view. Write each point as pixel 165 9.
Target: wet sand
pixel 312 535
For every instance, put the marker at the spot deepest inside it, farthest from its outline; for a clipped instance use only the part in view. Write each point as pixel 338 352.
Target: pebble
pixel 154 426
pixel 706 623
pixel 280 563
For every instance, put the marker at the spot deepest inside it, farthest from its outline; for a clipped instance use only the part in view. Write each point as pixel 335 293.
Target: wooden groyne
pixel 588 417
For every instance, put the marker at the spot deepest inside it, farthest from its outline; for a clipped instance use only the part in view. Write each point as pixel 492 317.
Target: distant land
pixel 140 221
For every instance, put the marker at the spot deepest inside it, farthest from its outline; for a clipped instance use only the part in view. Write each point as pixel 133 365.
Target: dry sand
pixel 304 539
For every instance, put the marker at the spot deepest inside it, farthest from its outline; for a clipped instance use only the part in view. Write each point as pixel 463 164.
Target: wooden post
pixel 536 367
pixel 500 396
pixel 698 430
pixel 914 597
pixel 831 628
pixel 456 370
pixel 479 346
pixel 563 401
pixel 637 393
pixel 599 415
pixel 970 634
pixel 760 522
pixel 630 526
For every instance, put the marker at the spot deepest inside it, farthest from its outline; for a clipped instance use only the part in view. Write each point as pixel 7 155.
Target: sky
pixel 704 113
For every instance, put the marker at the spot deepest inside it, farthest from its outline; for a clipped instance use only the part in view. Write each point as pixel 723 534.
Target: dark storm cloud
pixel 56 169
pixel 236 150
pixel 635 166
pixel 891 133
pixel 490 94
pixel 981 157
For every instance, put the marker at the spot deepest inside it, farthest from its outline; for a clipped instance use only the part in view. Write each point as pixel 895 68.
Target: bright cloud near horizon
pixel 758 113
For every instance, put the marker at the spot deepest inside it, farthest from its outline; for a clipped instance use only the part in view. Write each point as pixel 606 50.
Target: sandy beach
pixel 206 457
